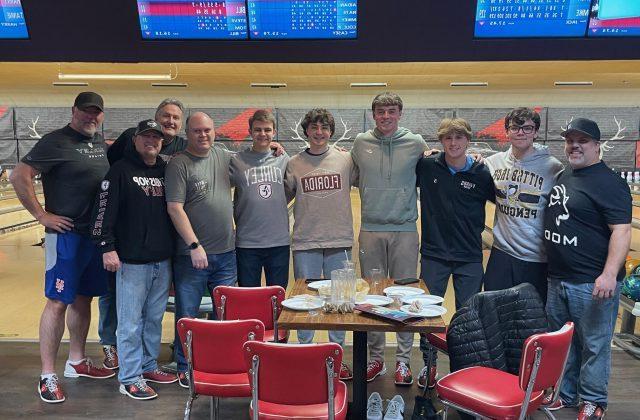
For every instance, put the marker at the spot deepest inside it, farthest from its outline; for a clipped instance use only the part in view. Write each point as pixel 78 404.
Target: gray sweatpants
pixel 396 253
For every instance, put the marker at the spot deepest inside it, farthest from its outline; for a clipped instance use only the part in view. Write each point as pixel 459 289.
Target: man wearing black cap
pixel 72 161
pixel 133 230
pixel 587 236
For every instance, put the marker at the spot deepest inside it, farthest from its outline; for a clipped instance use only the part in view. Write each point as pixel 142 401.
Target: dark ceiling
pixel 389 31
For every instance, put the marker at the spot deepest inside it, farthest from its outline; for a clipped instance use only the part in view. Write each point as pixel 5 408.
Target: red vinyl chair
pixel 439 343
pixel 494 394
pixel 295 382
pixel 214 354
pixel 263 303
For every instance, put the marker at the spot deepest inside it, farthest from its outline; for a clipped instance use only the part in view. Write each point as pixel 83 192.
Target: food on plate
pixel 416 306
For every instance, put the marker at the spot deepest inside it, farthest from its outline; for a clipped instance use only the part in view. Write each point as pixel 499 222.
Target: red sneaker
pixel 590 411
pixel 403 374
pixel 110 357
pixel 139 390
pixel 159 377
pixel 345 372
pixel 422 378
pixel 86 368
pixel 375 368
pixel 50 390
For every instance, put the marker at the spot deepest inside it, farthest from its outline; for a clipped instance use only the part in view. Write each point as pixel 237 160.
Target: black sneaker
pixel 139 390
pixel 183 379
pixel 50 390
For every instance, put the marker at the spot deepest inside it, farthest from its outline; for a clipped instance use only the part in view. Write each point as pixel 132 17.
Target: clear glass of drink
pixel 375 274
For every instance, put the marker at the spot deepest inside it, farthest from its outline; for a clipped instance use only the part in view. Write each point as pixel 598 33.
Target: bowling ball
pixel 631 265
pixel 631 287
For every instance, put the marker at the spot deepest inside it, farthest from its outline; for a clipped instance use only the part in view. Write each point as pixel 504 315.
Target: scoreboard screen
pixel 614 18
pixel 12 23
pixel 186 19
pixel 303 19
pixel 532 18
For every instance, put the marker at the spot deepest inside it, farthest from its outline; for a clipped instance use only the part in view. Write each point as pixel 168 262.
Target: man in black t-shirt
pixel 169 115
pixel 587 235
pixel 72 161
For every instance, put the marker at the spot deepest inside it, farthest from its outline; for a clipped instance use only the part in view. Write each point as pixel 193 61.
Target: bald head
pixel 200 133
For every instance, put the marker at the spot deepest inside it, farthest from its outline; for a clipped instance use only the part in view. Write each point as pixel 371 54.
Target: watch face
pixel 194 245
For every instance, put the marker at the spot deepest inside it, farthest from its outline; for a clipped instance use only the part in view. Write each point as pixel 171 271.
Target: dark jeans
pixel 505 271
pixel 275 261
pixel 467 281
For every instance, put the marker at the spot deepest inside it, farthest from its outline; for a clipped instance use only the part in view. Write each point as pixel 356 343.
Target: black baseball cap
pixel 584 126
pixel 149 125
pixel 85 100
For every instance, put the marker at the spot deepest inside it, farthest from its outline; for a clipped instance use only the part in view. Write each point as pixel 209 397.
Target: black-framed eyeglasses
pixel 526 129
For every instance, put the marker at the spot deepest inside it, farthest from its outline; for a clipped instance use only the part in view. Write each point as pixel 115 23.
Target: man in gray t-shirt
pixel 260 207
pixel 198 193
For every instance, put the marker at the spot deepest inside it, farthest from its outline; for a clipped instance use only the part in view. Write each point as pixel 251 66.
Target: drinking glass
pixel 376 279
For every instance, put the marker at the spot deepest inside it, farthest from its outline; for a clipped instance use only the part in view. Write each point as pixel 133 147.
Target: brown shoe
pixel 110 357
pixel 159 377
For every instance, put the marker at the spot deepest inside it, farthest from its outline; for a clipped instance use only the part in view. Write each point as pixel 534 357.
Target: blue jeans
pixel 275 261
pixel 191 284
pixel 586 377
pixel 108 320
pixel 312 264
pixel 141 296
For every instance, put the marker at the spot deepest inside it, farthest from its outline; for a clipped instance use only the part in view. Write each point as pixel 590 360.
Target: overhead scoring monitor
pixel 614 18
pixel 12 23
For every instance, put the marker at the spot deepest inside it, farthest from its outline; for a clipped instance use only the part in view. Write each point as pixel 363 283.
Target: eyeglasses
pixel 526 129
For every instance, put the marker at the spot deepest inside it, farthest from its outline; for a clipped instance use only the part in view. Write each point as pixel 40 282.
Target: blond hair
pixel 454 125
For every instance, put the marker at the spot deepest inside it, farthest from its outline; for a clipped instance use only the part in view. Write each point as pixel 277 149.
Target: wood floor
pixel 100 399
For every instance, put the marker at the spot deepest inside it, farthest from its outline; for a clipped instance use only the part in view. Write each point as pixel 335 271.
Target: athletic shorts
pixel 73 266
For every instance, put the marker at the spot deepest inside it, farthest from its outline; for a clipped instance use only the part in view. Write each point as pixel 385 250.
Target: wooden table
pixel 359 324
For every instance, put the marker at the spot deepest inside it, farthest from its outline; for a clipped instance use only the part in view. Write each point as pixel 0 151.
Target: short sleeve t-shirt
pixel 202 184
pixel 581 206
pixel 260 205
pixel 72 166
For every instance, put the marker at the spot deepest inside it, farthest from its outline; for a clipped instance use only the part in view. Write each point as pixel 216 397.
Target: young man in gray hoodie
pixel 523 177
pixel 386 158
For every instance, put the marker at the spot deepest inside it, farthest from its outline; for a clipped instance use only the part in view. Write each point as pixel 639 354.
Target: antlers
pixel 344 135
pixel 298 136
pixel 32 128
pixel 605 147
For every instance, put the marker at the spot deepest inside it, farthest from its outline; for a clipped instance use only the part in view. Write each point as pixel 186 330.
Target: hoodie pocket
pixel 387 206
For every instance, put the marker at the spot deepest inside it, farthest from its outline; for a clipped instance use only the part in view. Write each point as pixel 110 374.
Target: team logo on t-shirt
pixel 559 197
pixel 265 190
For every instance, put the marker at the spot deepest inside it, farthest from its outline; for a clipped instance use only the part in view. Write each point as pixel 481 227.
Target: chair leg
pixel 548 414
pixel 187 409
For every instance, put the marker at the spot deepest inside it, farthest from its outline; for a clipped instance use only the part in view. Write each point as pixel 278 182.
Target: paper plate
pixel 376 300
pixel 427 311
pixel 424 299
pixel 403 290
pixel 315 285
pixel 303 303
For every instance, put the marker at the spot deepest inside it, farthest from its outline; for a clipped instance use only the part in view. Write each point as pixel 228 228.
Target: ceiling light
pixel 170 85
pixel 171 75
pixel 69 84
pixel 368 84
pixel 268 85
pixel 579 83
pixel 469 84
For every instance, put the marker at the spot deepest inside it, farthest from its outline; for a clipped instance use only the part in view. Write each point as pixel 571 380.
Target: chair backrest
pixel 553 348
pixel 248 303
pixel 293 374
pixel 216 346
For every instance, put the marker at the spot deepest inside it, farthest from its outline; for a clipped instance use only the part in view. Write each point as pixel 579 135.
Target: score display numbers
pixel 303 19
pixel 531 18
pixel 180 19
pixel 12 23
pixel 614 18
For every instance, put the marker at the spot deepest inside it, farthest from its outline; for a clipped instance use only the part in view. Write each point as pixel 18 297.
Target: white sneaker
pixel 374 407
pixel 395 409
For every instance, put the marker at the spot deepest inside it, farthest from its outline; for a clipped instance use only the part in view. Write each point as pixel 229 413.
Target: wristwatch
pixel 194 245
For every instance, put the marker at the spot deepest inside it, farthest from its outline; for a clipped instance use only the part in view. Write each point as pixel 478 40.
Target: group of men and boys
pixel 163 212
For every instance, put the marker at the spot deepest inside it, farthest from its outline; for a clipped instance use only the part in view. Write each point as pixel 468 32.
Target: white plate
pixel 403 290
pixel 427 311
pixel 315 285
pixel 424 299
pixel 303 304
pixel 376 300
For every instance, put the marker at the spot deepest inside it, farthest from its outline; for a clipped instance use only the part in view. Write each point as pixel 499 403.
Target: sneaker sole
pixel 77 375
pixel 161 382
pixel 50 401
pixel 123 391
pixel 110 368
pixel 182 385
pixel 403 383
pixel 346 379
pixel 382 372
